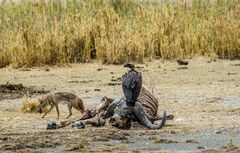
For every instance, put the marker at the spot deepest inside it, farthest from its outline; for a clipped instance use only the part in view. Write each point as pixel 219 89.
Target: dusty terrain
pixel 204 97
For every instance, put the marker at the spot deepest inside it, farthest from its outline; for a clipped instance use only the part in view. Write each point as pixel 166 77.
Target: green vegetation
pixel 115 31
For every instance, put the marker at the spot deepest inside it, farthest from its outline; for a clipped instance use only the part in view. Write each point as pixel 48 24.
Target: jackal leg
pixel 48 111
pixel 58 114
pixel 70 111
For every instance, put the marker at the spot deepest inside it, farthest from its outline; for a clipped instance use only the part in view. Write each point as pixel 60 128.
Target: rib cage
pixel 149 102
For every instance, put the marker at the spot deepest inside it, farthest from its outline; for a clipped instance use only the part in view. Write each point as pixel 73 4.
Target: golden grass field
pixel 35 33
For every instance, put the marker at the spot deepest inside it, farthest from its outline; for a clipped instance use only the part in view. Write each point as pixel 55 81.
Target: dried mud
pixel 204 99
pixel 13 91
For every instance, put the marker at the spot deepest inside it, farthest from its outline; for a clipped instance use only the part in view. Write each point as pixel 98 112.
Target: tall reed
pixel 35 33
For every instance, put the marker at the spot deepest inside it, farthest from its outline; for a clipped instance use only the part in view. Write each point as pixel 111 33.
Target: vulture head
pixel 130 65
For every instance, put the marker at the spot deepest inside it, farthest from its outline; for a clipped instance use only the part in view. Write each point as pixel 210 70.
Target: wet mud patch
pixel 29 141
pixel 108 139
pixel 230 101
pixel 14 91
pixel 230 147
pixel 183 142
pixel 225 101
pixel 43 140
pixel 68 139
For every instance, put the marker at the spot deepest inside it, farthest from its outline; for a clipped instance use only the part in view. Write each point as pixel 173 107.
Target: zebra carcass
pixel 144 112
pixel 121 116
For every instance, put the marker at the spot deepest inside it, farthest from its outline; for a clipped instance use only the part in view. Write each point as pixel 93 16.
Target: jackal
pixel 54 98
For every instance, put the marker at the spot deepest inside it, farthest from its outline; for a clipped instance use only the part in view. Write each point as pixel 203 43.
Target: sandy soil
pixel 204 98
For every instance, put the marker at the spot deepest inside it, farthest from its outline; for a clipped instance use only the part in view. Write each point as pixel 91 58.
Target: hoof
pixel 51 125
pixel 79 125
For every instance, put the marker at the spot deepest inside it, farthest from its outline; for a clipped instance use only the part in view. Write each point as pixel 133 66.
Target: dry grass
pixel 115 31
pixel 30 106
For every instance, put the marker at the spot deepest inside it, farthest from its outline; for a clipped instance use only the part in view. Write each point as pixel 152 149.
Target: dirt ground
pixel 203 96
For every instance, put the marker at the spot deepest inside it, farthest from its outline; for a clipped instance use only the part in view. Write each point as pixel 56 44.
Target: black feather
pixel 131 85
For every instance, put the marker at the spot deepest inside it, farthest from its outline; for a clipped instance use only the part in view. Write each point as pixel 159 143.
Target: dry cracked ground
pixel 204 98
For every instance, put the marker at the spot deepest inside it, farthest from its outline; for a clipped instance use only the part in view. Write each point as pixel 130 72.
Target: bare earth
pixel 203 97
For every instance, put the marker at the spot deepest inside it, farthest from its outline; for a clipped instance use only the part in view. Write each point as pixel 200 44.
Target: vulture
pixel 131 85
